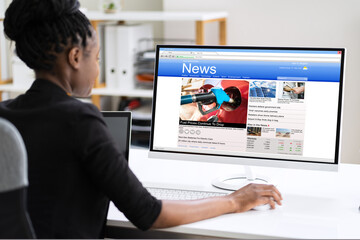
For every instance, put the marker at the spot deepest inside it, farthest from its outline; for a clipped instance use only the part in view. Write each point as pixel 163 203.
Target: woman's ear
pixel 74 57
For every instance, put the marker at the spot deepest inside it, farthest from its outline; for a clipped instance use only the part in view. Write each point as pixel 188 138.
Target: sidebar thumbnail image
pixel 293 90
pixel 263 89
pixel 254 131
pixel 283 133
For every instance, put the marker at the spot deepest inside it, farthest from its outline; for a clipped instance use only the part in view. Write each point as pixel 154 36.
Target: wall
pixel 323 23
pixel 132 5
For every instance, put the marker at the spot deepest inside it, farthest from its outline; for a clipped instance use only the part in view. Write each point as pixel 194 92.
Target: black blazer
pixel 74 168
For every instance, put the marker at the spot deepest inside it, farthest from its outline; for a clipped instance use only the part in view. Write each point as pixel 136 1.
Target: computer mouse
pixel 263 207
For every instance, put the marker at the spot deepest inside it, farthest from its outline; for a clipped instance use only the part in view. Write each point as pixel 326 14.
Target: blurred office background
pixel 306 23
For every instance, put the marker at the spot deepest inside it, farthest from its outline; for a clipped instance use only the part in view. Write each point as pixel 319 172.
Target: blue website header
pixel 265 70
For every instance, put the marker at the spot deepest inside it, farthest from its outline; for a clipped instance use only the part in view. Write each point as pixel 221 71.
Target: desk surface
pixel 316 204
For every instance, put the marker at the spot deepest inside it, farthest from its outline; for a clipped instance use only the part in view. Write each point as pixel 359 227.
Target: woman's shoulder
pixel 84 108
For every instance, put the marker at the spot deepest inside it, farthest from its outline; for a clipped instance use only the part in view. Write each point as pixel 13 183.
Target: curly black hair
pixel 42 28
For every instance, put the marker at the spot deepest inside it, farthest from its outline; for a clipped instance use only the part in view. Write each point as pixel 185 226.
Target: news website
pixel 269 103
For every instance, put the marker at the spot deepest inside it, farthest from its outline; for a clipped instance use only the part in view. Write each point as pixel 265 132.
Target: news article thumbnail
pixel 214 102
pixel 283 132
pixel 254 131
pixel 263 89
pixel 293 90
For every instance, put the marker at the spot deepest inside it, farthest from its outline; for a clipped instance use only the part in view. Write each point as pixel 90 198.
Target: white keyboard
pixel 177 194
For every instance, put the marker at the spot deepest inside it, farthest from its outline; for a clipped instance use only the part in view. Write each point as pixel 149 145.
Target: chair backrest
pixel 14 219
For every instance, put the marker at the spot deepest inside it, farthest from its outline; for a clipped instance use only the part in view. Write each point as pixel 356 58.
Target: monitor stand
pixel 236 181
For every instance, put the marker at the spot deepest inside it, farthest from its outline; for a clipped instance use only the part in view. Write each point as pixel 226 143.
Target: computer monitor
pixel 260 106
pixel 119 124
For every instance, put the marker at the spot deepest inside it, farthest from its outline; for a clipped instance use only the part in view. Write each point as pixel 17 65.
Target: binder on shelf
pixel 122 43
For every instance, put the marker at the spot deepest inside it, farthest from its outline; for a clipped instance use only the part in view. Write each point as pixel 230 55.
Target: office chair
pixel 14 218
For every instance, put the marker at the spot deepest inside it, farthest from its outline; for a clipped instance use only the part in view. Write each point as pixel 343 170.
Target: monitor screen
pixel 248 103
pixel 119 124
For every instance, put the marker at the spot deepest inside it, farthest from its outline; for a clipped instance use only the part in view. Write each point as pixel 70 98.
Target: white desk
pixel 316 204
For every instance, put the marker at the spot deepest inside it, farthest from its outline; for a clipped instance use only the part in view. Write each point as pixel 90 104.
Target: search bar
pixel 293 78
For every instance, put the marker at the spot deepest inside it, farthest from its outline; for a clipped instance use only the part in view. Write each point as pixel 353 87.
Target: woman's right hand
pixel 175 213
pixel 253 195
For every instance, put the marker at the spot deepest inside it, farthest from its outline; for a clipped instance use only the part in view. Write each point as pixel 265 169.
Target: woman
pixel 74 168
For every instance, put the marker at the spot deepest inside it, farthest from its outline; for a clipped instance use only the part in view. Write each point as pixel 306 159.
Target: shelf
pixel 13 88
pixel 154 16
pixel 97 17
pixel 145 93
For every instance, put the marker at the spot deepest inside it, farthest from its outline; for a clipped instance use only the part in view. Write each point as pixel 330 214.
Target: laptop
pixel 119 124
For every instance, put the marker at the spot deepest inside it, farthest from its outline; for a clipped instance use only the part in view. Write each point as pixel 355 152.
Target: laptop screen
pixel 119 124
